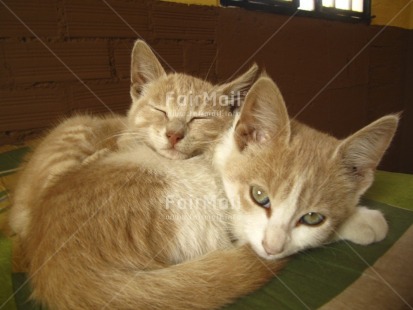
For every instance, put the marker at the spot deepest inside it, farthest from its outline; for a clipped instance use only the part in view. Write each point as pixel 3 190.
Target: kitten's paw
pixel 365 226
pixel 19 219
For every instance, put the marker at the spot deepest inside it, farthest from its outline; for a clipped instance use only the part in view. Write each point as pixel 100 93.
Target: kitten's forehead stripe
pixel 295 193
pixel 284 213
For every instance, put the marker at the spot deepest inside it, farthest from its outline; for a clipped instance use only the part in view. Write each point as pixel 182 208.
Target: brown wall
pixel 311 60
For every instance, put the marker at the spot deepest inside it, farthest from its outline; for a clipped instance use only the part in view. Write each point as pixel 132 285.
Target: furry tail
pixel 208 282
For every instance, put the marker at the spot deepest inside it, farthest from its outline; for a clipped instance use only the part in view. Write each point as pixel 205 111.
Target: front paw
pixel 364 227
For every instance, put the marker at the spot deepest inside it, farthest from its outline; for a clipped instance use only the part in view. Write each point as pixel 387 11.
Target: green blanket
pixel 338 276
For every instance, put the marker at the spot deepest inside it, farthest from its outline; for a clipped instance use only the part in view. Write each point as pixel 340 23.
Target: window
pixel 348 10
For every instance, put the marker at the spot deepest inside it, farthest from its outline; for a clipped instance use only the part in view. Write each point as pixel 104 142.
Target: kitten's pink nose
pixel 174 137
pixel 273 249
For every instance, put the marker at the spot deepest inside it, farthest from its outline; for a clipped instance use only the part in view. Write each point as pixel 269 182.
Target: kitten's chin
pixel 173 154
pixel 272 257
pixel 261 253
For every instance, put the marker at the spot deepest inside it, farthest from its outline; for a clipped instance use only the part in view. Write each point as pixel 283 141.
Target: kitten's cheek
pixel 256 243
pixel 259 250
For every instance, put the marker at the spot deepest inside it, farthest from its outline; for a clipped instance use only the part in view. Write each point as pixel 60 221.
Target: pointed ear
pixel 263 116
pixel 362 151
pixel 145 67
pixel 238 88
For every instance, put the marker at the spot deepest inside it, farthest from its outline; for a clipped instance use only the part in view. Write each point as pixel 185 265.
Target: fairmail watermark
pixel 207 208
pixel 200 203
pixel 201 217
pixel 233 98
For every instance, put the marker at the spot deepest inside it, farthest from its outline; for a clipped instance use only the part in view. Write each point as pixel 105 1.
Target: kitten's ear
pixel 145 66
pixel 238 88
pixel 263 116
pixel 362 151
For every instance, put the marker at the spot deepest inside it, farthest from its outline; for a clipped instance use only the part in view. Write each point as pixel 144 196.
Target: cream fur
pixel 64 148
pixel 303 171
pixel 92 207
pixel 105 215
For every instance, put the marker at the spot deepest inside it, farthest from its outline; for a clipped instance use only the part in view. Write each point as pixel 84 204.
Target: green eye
pixel 260 197
pixel 312 219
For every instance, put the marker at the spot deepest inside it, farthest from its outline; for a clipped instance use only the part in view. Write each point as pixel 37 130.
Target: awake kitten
pixel 294 187
pixel 158 117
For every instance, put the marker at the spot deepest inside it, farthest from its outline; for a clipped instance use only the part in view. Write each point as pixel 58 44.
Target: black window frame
pixel 291 7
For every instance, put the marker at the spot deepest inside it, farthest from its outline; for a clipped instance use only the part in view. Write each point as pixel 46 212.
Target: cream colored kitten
pixel 157 118
pixel 104 225
pixel 294 187
pixel 178 115
pixel 106 235
pixel 122 244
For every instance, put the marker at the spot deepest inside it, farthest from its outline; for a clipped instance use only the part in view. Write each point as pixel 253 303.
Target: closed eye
pixel 199 118
pixel 162 111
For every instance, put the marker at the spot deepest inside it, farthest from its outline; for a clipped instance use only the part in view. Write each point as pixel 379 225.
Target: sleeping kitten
pixel 178 115
pixel 293 187
pixel 157 118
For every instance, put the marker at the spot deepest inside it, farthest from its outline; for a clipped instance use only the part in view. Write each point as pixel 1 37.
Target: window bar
pixel 318 5
pixel 367 10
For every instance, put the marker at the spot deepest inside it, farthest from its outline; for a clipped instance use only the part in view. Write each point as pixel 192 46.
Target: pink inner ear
pixel 245 135
pixel 259 136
